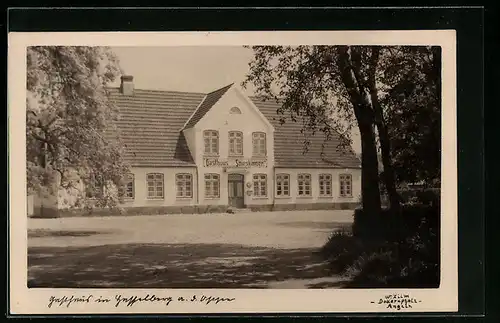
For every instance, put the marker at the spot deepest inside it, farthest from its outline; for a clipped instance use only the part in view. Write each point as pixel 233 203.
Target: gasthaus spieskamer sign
pixel 235 163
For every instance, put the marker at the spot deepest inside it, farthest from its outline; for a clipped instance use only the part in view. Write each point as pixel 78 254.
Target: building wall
pixel 315 196
pixel 199 204
pixel 169 186
pixel 250 120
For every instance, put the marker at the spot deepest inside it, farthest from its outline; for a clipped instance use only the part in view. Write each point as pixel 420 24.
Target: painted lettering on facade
pixel 236 163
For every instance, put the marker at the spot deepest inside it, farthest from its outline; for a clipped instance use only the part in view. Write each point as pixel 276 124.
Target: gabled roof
pixel 289 143
pixel 205 106
pixel 149 126
pixel 150 123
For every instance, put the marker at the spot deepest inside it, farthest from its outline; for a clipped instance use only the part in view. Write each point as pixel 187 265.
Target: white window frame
pixel 183 185
pixel 325 185
pixel 158 180
pixel 259 185
pixel 212 182
pixel 345 191
pixel 235 139
pixel 303 182
pixel 259 144
pixel 281 180
pixel 211 139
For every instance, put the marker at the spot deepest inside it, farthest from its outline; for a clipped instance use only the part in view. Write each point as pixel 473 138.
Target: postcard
pixel 233 172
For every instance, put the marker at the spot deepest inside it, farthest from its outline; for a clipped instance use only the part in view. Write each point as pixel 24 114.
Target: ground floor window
pixel 155 185
pixel 304 184
pixel 325 185
pixel 184 185
pixel 345 185
pixel 129 189
pixel 95 186
pixel 282 185
pixel 212 185
pixel 260 185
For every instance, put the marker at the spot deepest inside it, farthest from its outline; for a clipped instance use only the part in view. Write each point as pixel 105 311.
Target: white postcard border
pixel 35 301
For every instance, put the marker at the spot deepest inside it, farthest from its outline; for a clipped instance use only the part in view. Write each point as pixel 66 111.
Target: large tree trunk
pixel 370 190
pixel 389 178
pixel 369 170
pixel 385 144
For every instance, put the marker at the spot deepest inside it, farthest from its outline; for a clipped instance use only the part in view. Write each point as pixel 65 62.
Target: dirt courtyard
pixel 244 250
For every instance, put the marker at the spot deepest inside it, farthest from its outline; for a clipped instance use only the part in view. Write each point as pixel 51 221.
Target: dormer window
pixel 235 110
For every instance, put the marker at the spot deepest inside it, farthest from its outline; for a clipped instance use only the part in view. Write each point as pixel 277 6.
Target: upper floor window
pixel 345 185
pixel 260 185
pixel 236 143
pixel 282 185
pixel 259 144
pixel 304 184
pixel 183 183
pixel 325 185
pixel 211 139
pixel 155 185
pixel 235 110
pixel 212 182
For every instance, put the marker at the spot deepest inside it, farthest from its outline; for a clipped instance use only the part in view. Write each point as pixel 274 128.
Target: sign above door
pixel 234 163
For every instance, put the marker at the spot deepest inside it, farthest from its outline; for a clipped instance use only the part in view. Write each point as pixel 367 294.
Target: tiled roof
pixel 205 106
pixel 289 143
pixel 150 124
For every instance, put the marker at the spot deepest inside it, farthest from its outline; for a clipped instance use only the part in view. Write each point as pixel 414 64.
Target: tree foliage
pixel 334 88
pixel 71 135
pixel 414 114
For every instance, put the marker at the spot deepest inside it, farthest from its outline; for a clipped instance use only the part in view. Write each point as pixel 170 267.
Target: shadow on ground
pixel 173 266
pixel 316 225
pixel 45 233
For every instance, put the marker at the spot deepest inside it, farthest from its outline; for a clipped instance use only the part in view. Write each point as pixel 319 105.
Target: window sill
pixel 346 197
pixel 233 155
pixel 211 198
pixel 155 198
pixel 211 155
pixel 304 197
pixel 282 197
pixel 259 156
pixel 260 198
pixel 183 198
pixel 325 196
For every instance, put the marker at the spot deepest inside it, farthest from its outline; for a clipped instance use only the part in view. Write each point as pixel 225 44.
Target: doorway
pixel 235 184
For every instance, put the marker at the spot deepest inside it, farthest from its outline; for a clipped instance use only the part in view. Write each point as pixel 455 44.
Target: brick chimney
pixel 127 85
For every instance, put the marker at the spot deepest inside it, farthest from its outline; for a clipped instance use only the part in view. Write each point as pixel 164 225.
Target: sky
pixel 190 69
pixel 183 68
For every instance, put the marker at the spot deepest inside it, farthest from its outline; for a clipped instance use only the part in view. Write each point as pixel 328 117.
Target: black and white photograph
pixel 247 166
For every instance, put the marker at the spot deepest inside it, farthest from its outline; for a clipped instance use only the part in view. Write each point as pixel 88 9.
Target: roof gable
pixel 205 106
pixel 234 97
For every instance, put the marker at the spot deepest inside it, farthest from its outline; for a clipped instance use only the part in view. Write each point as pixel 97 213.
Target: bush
pixel 395 227
pixel 425 196
pixel 388 250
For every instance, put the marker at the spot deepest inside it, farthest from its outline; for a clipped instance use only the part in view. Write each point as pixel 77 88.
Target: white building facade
pixel 196 153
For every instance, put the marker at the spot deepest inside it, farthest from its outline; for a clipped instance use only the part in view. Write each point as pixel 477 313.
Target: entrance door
pixel 235 190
